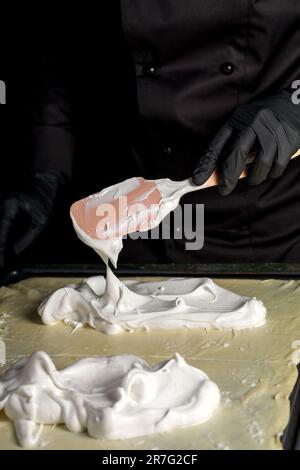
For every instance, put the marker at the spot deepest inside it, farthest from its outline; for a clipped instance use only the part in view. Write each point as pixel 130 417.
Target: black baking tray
pixel 291 435
pixel 222 270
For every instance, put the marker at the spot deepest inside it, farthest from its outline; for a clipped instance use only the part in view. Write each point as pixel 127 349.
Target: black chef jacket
pixel 195 61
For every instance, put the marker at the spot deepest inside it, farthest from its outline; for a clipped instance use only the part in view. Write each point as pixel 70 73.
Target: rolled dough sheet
pixel 254 369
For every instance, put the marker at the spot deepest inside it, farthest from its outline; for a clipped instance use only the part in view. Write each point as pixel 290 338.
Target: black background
pixel 89 46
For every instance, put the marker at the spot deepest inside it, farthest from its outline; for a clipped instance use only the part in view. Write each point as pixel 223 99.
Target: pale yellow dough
pixel 255 370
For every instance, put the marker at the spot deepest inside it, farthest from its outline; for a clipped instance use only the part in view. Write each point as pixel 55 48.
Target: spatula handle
pixel 213 180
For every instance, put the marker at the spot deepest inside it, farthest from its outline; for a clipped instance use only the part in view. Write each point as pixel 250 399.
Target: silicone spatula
pixel 134 205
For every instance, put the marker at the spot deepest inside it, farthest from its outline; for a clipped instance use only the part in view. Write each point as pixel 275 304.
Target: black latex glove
pixel 270 126
pixel 25 213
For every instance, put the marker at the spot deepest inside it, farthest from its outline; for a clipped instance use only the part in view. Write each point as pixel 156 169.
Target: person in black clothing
pixel 214 81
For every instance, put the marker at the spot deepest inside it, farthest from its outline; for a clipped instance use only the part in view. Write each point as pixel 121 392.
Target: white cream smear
pixel 113 397
pixel 112 306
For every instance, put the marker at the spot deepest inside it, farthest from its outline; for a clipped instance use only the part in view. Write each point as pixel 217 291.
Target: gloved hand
pixel 270 126
pixel 25 213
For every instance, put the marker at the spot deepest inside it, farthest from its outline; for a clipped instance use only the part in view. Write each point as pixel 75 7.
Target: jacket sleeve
pixel 53 139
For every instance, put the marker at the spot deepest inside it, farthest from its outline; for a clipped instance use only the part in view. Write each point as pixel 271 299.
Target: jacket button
pixel 167 151
pixel 227 68
pixel 149 70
